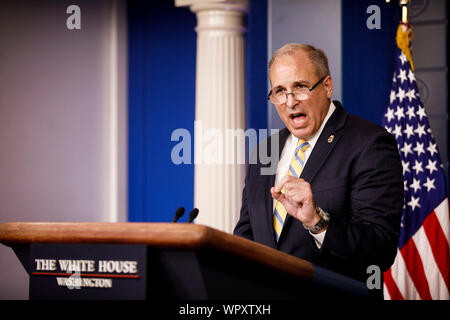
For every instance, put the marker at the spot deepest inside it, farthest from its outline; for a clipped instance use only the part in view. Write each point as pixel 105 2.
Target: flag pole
pixel 404 5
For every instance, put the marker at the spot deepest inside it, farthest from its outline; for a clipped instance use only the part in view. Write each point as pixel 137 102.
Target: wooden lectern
pixel 181 261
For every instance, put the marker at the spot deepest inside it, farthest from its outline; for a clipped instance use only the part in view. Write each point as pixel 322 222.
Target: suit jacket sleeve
pixel 369 234
pixel 243 227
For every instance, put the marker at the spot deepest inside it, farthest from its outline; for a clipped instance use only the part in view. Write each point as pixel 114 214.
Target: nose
pixel 290 100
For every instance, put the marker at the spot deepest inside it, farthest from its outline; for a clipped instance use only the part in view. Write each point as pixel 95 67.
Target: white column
pixel 219 110
pixel 115 110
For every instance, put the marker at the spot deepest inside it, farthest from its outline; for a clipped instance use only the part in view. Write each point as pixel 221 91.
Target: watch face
pixel 323 214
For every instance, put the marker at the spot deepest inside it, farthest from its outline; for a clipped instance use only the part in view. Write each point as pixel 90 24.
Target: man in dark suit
pixel 343 193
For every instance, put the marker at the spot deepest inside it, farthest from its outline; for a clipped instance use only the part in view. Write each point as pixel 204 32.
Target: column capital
pixel 227 5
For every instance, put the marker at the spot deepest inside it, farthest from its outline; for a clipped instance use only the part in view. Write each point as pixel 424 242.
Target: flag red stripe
pixel 391 286
pixel 439 245
pixel 414 265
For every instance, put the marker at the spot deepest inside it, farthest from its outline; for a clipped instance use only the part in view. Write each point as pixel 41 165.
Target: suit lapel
pixel 329 137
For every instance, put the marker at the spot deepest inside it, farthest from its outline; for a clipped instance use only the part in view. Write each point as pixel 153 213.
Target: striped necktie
pixel 295 169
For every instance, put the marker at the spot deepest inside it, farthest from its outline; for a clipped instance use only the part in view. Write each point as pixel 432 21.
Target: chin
pixel 301 134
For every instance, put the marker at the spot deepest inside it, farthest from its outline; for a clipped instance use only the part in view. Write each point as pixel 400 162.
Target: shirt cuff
pixel 318 238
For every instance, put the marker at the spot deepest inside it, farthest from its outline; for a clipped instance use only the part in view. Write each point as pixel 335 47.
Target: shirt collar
pixel 312 141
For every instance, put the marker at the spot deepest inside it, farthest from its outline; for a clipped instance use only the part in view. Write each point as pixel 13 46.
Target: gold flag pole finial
pixel 404 32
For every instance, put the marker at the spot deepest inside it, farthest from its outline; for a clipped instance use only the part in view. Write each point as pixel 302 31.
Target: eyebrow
pixel 276 88
pixel 299 82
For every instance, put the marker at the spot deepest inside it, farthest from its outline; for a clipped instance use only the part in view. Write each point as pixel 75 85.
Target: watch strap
pixel 324 219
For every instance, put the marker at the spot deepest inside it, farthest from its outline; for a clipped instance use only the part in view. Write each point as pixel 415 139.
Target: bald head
pixel 317 57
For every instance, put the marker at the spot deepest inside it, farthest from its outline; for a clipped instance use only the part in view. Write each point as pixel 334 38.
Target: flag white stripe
pixel 402 279
pixel 386 293
pixel 438 289
pixel 443 217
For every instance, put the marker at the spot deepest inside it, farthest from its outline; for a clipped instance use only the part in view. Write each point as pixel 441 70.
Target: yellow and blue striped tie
pixel 295 169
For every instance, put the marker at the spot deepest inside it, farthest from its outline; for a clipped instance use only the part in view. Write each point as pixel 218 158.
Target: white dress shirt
pixel 286 157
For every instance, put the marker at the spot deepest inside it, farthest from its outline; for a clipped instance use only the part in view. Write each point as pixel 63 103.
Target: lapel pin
pixel 331 138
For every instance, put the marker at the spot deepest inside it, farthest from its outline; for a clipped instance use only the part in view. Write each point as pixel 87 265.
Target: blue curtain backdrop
pixel 368 57
pixel 256 67
pixel 161 98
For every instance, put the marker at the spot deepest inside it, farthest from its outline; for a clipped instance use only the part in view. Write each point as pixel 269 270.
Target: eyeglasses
pixel 300 94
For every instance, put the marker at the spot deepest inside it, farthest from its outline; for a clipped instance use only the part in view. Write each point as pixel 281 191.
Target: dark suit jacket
pixel 357 178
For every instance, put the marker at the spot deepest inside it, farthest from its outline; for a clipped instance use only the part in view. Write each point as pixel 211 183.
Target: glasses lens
pixel 278 98
pixel 298 94
pixel 301 94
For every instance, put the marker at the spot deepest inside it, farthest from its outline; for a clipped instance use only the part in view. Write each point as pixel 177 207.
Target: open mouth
pixel 297 115
pixel 298 119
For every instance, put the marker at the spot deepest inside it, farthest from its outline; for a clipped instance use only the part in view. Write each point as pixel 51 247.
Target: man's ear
pixel 328 83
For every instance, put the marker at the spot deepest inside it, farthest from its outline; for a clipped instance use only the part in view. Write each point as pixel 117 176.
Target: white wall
pixel 62 119
pixel 311 22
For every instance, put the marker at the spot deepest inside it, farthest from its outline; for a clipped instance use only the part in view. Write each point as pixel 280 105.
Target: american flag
pixel 421 267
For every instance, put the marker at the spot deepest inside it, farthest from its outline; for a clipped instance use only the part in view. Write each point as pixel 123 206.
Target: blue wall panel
pixel 256 67
pixel 368 57
pixel 161 98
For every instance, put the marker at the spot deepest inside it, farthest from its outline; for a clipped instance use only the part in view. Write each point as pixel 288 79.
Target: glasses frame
pixel 288 93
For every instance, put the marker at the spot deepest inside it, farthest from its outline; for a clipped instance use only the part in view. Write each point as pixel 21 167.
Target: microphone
pixel 178 214
pixel 192 215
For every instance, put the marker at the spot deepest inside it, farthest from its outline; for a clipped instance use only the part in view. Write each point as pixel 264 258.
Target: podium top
pixel 159 235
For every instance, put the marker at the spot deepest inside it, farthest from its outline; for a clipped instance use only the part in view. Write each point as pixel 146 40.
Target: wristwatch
pixel 324 219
